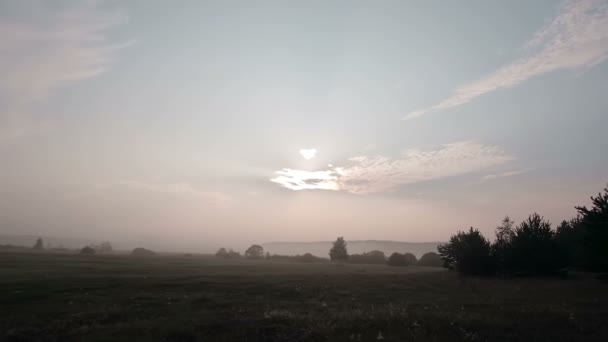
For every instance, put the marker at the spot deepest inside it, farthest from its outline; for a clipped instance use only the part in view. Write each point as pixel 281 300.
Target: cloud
pixel 307 180
pixel 503 175
pixel 364 174
pixel 51 46
pixel 577 37
pixel 183 190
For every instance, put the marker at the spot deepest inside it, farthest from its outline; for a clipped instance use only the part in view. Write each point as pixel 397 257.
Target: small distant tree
pixel 430 259
pixel 233 255
pixel 468 253
pixel 254 252
pixel 338 251
pixel 307 257
pixel 104 247
pixel 397 259
pixel 87 250
pixel 142 252
pixel 221 253
pixel 39 244
pixel 595 223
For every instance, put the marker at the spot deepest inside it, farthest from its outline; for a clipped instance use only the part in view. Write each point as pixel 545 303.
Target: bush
pixel 373 257
pixel 468 253
pixel 87 250
pixel 142 252
pixel 397 259
pixel 430 259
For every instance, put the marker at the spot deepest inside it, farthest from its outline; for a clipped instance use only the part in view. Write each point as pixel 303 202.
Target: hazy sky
pixel 208 123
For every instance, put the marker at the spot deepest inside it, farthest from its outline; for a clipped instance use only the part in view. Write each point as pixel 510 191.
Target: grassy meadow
pixel 68 297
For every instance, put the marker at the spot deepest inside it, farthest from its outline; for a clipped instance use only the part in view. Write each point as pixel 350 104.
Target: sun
pixel 308 153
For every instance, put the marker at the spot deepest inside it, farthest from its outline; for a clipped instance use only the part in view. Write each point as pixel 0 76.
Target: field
pixel 63 297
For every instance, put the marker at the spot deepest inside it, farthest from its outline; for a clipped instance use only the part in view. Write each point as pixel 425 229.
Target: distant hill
pixel 321 248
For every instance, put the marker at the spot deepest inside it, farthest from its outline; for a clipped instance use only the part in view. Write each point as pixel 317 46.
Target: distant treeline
pixel 338 252
pixel 533 247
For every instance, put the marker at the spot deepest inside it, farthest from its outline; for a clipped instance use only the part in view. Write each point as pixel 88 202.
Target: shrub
pixel 430 259
pixel 142 252
pixel 87 250
pixel 373 257
pixel 397 259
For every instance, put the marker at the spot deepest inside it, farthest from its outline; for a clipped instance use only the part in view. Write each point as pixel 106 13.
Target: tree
pixel 338 251
pixel 502 245
pixel 397 259
pixel 430 259
pixel 87 250
pixel 533 249
pixel 254 252
pixel 104 247
pixel 595 223
pixel 221 253
pixel 570 239
pixel 468 253
pixel 39 244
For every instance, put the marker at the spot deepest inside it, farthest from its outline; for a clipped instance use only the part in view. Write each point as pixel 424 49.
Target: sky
pixel 199 124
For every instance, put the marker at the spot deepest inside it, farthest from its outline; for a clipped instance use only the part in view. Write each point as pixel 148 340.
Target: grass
pixel 62 297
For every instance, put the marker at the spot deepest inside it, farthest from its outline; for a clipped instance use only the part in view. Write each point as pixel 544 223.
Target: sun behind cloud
pixel 308 153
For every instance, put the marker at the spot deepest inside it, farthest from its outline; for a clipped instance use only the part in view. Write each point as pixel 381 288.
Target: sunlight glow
pixel 308 153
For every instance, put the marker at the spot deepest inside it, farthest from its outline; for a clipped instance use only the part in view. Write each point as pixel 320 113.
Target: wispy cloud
pixel 503 174
pixel 180 189
pixel 50 47
pixel 577 37
pixel 373 174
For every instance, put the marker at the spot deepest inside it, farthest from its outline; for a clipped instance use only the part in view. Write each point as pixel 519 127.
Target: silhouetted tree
pixel 397 259
pixel 468 253
pixel 595 222
pixel 39 244
pixel 570 239
pixel 533 249
pixel 338 251
pixel 221 253
pixel 430 259
pixel 502 245
pixel 254 252
pixel 87 250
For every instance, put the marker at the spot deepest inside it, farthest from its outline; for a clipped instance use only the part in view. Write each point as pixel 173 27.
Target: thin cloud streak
pixel 577 37
pixel 375 174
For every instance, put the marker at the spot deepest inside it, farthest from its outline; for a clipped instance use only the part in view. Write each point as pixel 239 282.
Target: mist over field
pixel 282 170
